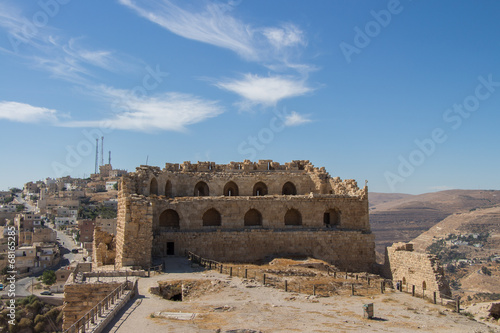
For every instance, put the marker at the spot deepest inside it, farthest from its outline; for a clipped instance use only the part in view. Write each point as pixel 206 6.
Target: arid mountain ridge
pixel 398 217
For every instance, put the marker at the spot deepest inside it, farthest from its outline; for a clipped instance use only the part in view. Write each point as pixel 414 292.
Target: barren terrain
pixel 224 304
pixel 401 218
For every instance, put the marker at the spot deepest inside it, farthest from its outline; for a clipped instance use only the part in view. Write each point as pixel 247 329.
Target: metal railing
pixel 90 318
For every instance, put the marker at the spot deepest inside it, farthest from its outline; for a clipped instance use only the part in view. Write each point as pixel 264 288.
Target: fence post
pixel 352 289
pixel 246 273
pixel 413 290
pixel 264 279
pixel 346 275
pixel 220 267
pixel 435 298
pixel 286 285
pixel 314 290
pixel 458 304
pixel 368 281
pixel 356 277
pixel 230 271
pixel 334 274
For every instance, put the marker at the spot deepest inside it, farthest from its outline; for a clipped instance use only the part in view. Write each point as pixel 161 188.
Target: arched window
pixel 231 189
pixel 331 218
pixel 201 190
pixel 211 218
pixel 289 189
pixel 153 187
pixel 293 217
pixel 169 219
pixel 253 217
pixel 168 189
pixel 260 189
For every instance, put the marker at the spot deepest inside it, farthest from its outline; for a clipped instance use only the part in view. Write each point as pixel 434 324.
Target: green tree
pixel 115 186
pixel 20 208
pixel 49 277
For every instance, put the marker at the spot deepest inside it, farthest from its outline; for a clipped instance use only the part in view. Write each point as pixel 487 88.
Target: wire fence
pixel 336 283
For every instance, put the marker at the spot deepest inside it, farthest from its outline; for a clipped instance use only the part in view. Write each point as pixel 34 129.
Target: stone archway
pixel 169 219
pixel 153 186
pixel 211 218
pixel 201 189
pixel 253 218
pixel 260 189
pixel 293 217
pixel 289 189
pixel 231 189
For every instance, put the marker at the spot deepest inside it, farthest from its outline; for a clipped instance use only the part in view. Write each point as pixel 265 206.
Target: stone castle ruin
pixel 240 212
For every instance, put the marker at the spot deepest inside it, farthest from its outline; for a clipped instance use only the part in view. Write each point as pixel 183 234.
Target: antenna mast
pixel 109 158
pixel 102 150
pixel 96 154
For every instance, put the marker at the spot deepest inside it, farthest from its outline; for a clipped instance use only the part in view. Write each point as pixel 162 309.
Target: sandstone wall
pixel 348 250
pixel 79 298
pixel 134 231
pixel 182 179
pixel 103 248
pixel 415 268
pixel 345 240
pixel 353 211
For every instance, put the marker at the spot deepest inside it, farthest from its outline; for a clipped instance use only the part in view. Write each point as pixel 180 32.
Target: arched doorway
pixel 168 189
pixel 293 217
pixel 331 218
pixel 211 218
pixel 253 218
pixel 201 189
pixel 289 189
pixel 169 219
pixel 260 189
pixel 231 189
pixel 153 187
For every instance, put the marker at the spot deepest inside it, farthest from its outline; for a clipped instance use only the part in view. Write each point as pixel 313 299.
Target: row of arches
pixel 170 218
pixel 201 189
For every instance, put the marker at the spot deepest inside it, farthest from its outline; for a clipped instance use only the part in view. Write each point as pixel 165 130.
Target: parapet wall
pixel 80 298
pixel 415 268
pixel 347 250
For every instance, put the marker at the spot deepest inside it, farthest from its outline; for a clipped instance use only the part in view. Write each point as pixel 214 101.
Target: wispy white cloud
pixel 266 91
pixel 296 119
pixel 213 24
pixel 168 111
pixel 45 48
pixel 25 113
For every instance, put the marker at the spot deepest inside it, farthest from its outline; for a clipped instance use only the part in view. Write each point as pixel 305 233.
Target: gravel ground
pixel 240 304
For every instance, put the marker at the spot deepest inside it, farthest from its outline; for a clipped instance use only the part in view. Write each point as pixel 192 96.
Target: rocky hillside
pixel 402 217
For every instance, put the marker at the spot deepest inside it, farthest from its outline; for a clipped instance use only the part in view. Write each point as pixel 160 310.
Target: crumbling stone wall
pixel 104 248
pixel 79 298
pixel 422 270
pixel 347 250
pixel 242 211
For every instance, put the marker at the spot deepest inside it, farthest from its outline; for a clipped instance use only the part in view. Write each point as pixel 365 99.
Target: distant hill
pixel 402 217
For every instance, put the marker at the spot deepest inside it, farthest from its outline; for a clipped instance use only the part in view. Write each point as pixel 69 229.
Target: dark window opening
pixel 293 217
pixel 201 190
pixel 212 218
pixel 169 219
pixel 260 189
pixel 170 249
pixel 231 189
pixel 289 189
pixel 253 218
pixel 153 187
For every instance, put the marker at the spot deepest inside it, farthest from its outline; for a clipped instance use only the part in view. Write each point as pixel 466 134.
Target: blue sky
pixel 404 93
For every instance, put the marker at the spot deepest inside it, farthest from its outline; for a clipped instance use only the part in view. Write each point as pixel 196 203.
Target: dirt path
pixel 241 304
